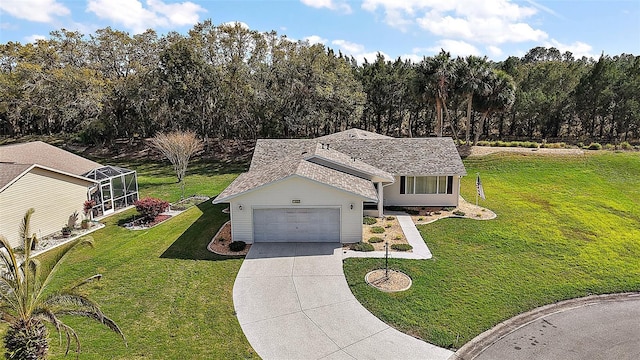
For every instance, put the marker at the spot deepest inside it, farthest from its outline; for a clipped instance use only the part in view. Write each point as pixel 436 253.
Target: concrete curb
pixel 476 346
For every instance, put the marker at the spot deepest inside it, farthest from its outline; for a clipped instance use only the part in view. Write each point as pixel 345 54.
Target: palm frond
pixel 93 278
pixel 60 255
pixel 99 317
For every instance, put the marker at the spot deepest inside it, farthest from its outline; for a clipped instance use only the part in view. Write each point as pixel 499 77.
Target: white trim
pixel 225 199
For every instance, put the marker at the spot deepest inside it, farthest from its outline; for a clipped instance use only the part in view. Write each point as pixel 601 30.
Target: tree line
pixel 228 81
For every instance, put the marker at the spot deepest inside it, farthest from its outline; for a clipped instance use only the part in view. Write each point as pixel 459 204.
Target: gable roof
pixel 344 160
pixel 285 168
pixel 398 156
pixel 38 152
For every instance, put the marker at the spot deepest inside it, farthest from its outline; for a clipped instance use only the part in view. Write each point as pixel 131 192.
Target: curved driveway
pixel 293 302
pixel 602 330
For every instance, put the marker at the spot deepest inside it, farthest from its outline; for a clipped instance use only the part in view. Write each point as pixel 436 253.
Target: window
pixel 426 185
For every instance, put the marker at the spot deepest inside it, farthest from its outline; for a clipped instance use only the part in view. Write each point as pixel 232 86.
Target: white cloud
pixel 349 47
pixel 455 47
pixel 34 10
pixel 315 39
pixel 234 23
pixel 494 50
pixel 358 51
pixel 34 38
pixel 577 48
pixel 338 5
pixel 414 58
pixel 132 14
pixel 488 21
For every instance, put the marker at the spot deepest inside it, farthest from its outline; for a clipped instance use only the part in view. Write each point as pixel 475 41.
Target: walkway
pixel 293 302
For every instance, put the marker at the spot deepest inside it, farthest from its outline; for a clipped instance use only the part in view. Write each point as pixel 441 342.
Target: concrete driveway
pixel 293 302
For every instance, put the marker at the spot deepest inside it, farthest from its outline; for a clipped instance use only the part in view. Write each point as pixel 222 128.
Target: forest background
pixel 230 82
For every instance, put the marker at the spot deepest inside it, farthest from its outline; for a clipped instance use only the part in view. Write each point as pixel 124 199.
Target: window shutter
pixel 402 184
pixel 449 184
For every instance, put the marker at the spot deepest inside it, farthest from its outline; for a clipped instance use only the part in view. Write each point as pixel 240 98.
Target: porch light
pixel 351 206
pixel 240 207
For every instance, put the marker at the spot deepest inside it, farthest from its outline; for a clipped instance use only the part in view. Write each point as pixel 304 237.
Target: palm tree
pixel 472 72
pixel 26 305
pixel 435 80
pixel 500 97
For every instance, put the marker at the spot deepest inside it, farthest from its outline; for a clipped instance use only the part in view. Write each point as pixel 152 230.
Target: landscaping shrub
pixel 412 211
pixel 625 145
pixel 375 239
pixel 458 213
pixel 448 208
pixel 377 229
pixel 237 245
pixel 361 247
pixel 391 217
pixel 368 220
pixel 401 247
pixel 595 146
pixel 609 147
pixel 387 226
pixel 151 207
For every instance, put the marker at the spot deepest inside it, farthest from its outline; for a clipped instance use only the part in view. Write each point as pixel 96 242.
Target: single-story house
pixel 56 183
pixel 318 190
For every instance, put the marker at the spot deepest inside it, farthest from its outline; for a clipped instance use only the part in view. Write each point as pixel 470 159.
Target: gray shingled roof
pixel 353 134
pixel 398 156
pixel 8 172
pixel 366 152
pixel 38 152
pixel 345 160
pixel 284 168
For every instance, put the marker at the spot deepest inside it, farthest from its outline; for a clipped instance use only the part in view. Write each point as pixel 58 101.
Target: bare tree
pixel 178 147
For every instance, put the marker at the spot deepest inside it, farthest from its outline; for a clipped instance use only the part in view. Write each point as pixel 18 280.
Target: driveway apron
pixel 293 302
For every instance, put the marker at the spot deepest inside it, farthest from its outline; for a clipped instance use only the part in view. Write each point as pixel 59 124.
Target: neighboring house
pixel 319 189
pixel 56 183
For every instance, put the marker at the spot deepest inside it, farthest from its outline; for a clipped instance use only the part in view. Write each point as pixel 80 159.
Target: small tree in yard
pixel 178 147
pixel 26 303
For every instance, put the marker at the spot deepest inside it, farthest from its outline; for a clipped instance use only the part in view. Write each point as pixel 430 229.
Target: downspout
pixel 381 198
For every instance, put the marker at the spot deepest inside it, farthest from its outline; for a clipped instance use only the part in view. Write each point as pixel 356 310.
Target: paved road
pixel 293 302
pixel 607 330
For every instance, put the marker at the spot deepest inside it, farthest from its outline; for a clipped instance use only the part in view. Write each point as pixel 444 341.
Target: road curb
pixel 477 345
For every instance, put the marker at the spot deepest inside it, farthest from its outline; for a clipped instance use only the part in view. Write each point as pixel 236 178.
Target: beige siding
pixel 392 196
pixel 310 194
pixel 54 196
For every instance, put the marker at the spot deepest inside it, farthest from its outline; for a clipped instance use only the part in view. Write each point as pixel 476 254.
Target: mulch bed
pixel 141 224
pixel 220 243
pixel 396 281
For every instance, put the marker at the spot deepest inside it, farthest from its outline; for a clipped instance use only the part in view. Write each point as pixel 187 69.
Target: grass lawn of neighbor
pixel 171 297
pixel 567 227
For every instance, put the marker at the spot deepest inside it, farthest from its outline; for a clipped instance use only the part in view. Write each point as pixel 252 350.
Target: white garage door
pixel 296 225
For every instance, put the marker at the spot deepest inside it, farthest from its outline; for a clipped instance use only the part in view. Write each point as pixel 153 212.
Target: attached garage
pixel 296 225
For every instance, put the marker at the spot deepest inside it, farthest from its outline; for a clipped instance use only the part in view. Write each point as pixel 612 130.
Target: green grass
pixel 171 297
pixel 566 227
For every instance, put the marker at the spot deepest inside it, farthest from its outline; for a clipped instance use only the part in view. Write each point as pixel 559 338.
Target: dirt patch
pixel 486 150
pixel 220 242
pixel 395 281
pixel 392 233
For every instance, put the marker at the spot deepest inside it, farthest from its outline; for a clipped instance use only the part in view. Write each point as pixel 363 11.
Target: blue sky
pixel 406 28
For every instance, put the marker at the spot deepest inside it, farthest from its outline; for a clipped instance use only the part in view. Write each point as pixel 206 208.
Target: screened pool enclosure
pixel 117 188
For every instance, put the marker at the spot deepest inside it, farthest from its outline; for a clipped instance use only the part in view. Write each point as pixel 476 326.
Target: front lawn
pixel 566 227
pixel 171 297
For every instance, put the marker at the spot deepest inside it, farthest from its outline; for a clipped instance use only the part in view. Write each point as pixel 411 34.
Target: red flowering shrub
pixel 88 205
pixel 151 207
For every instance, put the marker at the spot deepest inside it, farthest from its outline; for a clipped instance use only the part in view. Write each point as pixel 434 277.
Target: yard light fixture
pixel 240 207
pixel 351 206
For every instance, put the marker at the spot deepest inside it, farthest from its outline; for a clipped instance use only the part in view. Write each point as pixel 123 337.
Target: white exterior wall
pixel 54 197
pixel 392 196
pixel 310 193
